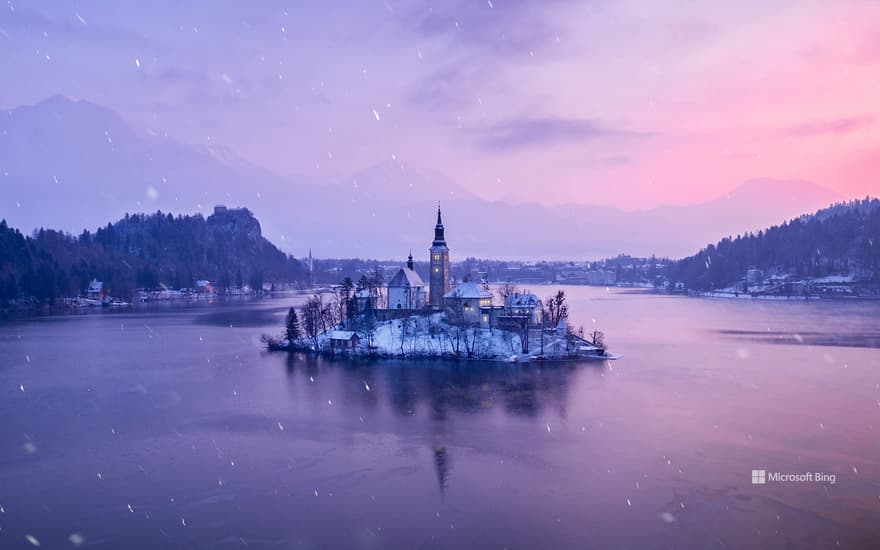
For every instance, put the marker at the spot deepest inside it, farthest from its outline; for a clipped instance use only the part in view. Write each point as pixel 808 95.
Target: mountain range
pixel 72 165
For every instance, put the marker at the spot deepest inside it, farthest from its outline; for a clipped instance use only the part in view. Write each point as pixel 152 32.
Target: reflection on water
pixel 869 339
pixel 173 428
pixel 443 389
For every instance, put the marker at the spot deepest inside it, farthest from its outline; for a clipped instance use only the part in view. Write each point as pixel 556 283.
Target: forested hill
pixel 142 250
pixel 843 239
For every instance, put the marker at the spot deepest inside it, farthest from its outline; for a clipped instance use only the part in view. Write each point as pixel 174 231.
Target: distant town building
pixel 754 276
pixel 406 290
pixel 95 290
pixel 601 277
pixel 439 265
pixel 204 286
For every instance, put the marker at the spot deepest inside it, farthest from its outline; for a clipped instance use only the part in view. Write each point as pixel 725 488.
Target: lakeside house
pixel 465 302
pixel 526 305
pixel 344 339
pixel 365 300
pixel 204 286
pixel 95 290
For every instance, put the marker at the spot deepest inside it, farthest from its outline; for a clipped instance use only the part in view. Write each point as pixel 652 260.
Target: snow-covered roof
pixel 406 277
pixel 96 285
pixel 468 290
pixel 342 335
pixel 523 300
pixel 202 282
pixel 365 293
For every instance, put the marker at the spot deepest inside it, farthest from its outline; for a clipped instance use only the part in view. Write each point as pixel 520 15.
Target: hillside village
pixel 408 317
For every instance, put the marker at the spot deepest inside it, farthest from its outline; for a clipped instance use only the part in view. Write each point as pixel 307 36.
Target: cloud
pixel 451 87
pixel 542 132
pixel 615 161
pixel 836 126
pixel 175 75
pixel 73 28
pixel 500 28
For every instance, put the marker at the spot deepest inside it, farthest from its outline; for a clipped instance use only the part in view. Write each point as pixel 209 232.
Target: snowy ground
pixel 431 336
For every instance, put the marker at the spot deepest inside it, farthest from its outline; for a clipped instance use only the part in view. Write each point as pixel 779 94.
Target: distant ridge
pixel 842 239
pixel 71 164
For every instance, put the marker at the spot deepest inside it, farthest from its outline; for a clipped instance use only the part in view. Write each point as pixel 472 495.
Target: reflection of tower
pixel 441 463
pixel 439 265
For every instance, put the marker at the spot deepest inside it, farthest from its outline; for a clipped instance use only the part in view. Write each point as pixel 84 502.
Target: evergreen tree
pixel 292 326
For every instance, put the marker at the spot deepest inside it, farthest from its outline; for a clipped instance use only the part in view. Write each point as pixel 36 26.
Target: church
pixel 407 291
pixel 466 303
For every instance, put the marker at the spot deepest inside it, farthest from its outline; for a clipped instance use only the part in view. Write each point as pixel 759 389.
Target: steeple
pixel 439 265
pixel 439 238
pixel 409 262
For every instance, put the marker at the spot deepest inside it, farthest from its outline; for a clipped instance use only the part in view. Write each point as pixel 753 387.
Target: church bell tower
pixel 439 279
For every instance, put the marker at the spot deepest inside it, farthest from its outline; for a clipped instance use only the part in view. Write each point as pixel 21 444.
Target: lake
pixel 173 428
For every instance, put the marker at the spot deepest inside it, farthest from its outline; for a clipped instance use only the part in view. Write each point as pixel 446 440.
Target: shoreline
pixel 273 346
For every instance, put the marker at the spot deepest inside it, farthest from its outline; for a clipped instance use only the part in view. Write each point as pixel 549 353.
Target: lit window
pixel 436 270
pixel 436 256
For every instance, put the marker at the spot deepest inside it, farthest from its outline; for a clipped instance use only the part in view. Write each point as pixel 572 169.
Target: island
pixel 410 319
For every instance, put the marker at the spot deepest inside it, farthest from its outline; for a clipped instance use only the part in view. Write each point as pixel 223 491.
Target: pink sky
pixel 634 104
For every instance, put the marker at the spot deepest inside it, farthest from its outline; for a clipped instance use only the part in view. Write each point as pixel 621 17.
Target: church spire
pixel 409 261
pixel 439 237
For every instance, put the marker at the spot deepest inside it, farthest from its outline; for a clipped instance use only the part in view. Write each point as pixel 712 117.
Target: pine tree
pixel 292 327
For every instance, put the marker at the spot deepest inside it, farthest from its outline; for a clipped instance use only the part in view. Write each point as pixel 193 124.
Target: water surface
pixel 173 429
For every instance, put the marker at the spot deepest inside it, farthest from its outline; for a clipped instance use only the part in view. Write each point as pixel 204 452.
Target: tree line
pixel 141 251
pixel 841 239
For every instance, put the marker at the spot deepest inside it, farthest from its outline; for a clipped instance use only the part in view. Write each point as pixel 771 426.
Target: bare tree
pixel 456 325
pixel 406 333
pixel 312 322
pixel 506 290
pixel 342 297
pixel 376 283
pixel 555 308
pixel 365 326
pixel 598 339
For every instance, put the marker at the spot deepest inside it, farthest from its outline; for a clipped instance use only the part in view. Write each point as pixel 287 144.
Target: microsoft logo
pixel 759 477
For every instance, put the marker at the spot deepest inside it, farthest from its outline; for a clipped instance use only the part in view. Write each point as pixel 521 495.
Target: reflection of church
pixel 435 398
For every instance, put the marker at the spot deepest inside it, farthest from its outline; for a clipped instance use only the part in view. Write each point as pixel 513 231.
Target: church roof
pixel 468 290
pixel 406 277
